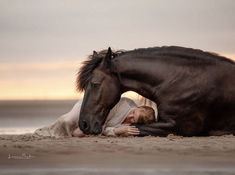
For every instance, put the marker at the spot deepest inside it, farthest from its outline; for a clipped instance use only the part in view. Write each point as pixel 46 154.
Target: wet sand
pixel 25 154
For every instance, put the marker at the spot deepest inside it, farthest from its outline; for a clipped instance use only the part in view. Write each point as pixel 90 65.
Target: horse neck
pixel 139 87
pixel 138 75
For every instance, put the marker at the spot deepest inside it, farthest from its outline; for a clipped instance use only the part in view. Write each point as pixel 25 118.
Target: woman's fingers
pixel 132 127
pixel 130 130
pixel 133 131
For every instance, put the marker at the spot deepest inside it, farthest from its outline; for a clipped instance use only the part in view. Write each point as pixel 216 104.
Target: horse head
pixel 102 91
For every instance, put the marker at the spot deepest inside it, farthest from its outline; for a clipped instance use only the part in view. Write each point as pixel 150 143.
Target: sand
pixel 25 154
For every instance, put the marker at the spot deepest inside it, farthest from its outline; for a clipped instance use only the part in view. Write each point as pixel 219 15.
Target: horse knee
pixel 189 129
pixel 192 126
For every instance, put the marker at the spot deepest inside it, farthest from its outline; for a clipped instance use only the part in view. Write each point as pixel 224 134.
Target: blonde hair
pixel 147 115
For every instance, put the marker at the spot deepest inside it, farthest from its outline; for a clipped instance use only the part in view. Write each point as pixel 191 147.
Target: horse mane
pixel 184 53
pixel 85 72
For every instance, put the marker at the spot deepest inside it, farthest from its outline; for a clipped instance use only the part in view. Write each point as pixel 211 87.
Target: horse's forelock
pixel 88 66
pixel 85 72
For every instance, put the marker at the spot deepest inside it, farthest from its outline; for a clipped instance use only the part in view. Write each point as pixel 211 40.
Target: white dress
pixel 67 123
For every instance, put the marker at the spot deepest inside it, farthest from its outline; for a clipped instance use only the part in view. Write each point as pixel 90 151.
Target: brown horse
pixel 194 90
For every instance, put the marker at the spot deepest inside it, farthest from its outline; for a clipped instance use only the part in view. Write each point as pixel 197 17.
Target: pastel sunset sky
pixel 42 43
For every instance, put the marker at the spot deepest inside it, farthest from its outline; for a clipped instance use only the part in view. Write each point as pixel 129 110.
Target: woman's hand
pixel 126 130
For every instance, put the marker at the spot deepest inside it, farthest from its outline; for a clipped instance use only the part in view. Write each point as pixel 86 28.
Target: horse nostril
pixel 98 131
pixel 97 128
pixel 84 125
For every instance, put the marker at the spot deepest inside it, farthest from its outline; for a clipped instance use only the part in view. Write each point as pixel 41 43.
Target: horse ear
pixel 95 54
pixel 107 59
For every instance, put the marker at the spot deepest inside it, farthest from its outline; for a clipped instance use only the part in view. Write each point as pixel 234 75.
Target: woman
pixel 118 122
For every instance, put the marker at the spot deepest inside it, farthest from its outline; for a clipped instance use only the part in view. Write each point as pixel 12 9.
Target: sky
pixel 42 43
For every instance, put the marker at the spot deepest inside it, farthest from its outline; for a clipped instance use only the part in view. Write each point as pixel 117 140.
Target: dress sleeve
pixel 109 131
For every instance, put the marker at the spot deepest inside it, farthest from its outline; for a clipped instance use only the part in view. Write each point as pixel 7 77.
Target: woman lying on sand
pixel 118 122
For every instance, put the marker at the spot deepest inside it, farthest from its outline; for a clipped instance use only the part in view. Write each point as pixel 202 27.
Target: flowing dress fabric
pixel 64 125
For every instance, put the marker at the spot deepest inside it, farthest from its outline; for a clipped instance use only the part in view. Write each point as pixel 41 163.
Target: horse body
pixel 194 90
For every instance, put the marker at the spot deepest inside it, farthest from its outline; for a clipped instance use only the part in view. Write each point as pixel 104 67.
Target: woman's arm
pixel 109 131
pixel 123 130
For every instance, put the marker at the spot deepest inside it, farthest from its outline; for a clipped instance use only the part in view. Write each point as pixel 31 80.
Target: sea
pixel 25 116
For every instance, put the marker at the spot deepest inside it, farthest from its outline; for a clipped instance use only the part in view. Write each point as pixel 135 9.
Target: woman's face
pixel 133 116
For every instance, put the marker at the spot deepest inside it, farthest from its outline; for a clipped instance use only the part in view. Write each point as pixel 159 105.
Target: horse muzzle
pixel 90 128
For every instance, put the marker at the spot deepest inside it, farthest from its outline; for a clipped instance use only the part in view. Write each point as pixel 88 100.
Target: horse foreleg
pixel 156 129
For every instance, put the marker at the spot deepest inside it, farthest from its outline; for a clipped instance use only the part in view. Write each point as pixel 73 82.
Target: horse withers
pixel 194 90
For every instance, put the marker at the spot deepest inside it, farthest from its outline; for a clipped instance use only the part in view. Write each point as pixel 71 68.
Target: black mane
pixel 85 72
pixel 183 53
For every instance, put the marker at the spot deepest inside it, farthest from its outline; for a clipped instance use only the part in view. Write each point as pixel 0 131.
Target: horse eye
pixel 95 84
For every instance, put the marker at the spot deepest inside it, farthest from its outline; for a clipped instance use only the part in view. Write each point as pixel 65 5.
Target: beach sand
pixel 26 154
